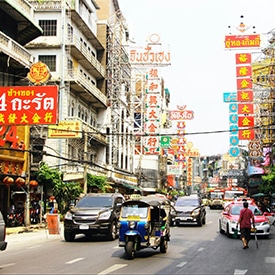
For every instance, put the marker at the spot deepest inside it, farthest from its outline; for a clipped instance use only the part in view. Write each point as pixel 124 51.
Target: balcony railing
pixel 88 60
pixel 87 86
pixel 15 50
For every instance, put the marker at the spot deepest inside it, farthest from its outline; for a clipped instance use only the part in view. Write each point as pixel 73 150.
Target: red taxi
pixel 230 215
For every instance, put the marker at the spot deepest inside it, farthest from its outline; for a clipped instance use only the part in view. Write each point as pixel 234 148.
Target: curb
pixel 25 229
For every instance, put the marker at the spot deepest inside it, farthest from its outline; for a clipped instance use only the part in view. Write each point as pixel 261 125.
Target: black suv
pixel 189 209
pixel 3 243
pixel 94 214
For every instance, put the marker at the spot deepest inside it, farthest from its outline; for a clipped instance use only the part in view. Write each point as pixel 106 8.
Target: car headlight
pixel 105 215
pixel 68 216
pixel 195 212
pixel 265 223
pixel 233 222
pixel 132 224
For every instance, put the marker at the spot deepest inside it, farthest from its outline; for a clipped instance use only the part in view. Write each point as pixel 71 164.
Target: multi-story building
pixel 18 27
pixel 83 46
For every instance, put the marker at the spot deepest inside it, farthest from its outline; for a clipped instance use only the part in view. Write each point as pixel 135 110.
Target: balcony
pixel 87 90
pixel 86 59
pixel 22 12
pixel 14 50
pixel 72 8
pixel 94 134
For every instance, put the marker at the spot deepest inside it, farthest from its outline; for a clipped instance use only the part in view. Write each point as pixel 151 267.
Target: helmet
pixel 245 204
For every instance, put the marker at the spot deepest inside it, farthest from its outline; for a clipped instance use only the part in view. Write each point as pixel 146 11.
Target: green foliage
pixel 268 184
pixel 64 193
pixel 48 176
pixel 96 182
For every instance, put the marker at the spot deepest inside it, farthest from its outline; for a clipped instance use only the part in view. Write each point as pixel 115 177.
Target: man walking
pixel 246 216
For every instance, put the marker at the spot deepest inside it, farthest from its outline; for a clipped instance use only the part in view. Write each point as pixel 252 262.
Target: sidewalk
pixel 31 233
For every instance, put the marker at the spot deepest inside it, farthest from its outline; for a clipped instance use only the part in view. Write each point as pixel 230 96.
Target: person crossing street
pixel 245 219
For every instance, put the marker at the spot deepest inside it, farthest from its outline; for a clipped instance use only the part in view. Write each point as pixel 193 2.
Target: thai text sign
pixel 28 105
pixel 181 115
pixel 66 129
pixel 242 41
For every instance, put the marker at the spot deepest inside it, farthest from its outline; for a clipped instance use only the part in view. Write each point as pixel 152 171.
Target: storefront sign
pixel 66 129
pixel 28 105
pixel 242 41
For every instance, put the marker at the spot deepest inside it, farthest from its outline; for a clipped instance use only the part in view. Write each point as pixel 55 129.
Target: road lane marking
pixel 112 269
pixel 240 271
pixel 7 265
pixel 181 264
pixel 34 246
pixel 74 260
pixel 201 249
pixel 270 260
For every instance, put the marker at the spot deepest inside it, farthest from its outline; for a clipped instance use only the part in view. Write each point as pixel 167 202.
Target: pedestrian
pixel 245 219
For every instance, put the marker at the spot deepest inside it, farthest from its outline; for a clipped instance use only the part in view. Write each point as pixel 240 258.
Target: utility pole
pixel 85 162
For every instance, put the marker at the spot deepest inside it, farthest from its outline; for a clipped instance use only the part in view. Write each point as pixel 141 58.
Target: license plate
pixel 84 226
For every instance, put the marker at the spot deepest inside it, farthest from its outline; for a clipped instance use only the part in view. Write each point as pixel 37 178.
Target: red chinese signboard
pixel 245 96
pixel 246 121
pixel 242 41
pixel 244 83
pixel 245 109
pixel 243 58
pixel 28 105
pixel 246 134
pixel 242 71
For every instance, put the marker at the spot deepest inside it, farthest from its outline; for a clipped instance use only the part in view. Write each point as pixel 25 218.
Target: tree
pixel 98 183
pixel 65 192
pixel 268 184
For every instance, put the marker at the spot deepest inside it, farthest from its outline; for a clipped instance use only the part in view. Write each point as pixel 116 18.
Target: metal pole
pixel 85 163
pixel 27 158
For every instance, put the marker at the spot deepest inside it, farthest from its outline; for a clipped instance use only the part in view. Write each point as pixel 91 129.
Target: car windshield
pixel 235 210
pixel 88 202
pixel 233 194
pixel 216 195
pixel 187 202
pixel 135 211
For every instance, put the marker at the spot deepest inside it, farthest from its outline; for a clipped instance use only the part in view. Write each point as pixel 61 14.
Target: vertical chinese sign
pixel 241 108
pixel 180 116
pixel 152 112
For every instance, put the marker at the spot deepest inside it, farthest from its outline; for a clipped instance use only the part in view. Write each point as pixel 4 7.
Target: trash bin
pixel 53 223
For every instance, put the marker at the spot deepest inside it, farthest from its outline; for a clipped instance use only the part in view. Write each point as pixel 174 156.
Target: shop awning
pixel 134 187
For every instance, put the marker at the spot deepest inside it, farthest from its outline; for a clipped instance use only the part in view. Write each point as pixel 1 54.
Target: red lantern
pixel 8 180
pixel 33 183
pixel 20 182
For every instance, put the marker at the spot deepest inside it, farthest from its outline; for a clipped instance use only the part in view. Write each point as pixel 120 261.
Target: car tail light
pixel 4 232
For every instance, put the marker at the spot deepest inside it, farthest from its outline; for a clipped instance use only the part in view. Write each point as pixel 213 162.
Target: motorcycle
pixel 35 212
pixel 15 217
pixel 144 223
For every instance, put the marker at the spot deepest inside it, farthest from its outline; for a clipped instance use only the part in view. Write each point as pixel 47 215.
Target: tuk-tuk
pixel 144 223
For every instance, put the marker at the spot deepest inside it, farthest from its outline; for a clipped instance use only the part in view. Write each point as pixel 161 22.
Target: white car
pixel 230 216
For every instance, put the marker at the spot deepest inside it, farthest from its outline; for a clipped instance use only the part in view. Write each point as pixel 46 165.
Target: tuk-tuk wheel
pixel 163 245
pixel 129 249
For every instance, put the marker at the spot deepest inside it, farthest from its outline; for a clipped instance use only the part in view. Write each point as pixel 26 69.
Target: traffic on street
pixel 192 250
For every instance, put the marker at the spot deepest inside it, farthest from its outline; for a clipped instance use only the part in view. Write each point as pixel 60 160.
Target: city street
pixel 192 250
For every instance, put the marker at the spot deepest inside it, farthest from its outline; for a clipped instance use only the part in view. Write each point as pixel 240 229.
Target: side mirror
pixel 225 213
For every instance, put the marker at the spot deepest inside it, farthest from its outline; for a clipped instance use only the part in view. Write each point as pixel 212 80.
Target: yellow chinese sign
pixel 66 129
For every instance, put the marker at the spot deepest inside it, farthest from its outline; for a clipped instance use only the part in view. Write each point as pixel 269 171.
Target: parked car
pixel 94 214
pixel 189 209
pixel 3 243
pixel 230 216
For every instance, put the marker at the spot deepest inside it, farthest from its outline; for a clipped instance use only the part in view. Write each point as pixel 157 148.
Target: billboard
pixel 28 105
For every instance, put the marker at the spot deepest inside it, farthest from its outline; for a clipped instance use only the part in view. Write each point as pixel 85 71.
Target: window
pixel 49 60
pixel 49 27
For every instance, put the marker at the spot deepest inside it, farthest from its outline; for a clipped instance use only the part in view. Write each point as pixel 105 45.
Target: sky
pixel 201 70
